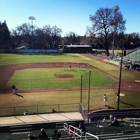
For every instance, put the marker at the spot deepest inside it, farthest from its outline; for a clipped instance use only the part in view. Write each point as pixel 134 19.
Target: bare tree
pixel 43 38
pixel 56 36
pixel 104 22
pixel 24 33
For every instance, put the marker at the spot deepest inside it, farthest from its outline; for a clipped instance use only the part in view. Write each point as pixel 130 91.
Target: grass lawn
pixel 7 59
pixel 44 78
pixel 48 100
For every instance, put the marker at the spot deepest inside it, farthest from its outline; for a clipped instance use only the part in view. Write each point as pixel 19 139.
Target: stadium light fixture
pixel 32 18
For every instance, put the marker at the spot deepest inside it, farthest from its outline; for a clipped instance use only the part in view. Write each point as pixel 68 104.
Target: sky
pixel 68 15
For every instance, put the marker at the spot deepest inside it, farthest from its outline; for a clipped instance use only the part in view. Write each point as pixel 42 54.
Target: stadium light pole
pixel 115 9
pixel 32 18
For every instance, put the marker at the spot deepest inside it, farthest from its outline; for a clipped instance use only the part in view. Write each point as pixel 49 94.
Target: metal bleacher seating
pixel 132 122
pixel 18 129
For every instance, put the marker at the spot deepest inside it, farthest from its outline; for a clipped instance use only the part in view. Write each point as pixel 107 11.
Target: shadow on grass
pixel 127 103
pixel 18 95
pixel 109 107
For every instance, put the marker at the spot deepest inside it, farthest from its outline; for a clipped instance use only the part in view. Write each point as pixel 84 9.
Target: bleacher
pixel 97 128
pixel 18 129
pixel 132 59
pixel 133 55
pixel 123 132
pixel 132 122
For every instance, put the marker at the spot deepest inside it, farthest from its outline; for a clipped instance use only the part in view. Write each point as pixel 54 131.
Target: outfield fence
pixel 41 109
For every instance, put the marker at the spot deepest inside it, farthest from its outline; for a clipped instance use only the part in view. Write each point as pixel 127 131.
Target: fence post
pixel 14 111
pixel 89 92
pixel 58 108
pixel 37 109
pixel 81 91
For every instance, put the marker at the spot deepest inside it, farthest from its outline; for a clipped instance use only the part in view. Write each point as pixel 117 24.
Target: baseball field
pixel 47 81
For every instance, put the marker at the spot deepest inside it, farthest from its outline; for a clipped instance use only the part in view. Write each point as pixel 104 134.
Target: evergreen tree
pixel 4 36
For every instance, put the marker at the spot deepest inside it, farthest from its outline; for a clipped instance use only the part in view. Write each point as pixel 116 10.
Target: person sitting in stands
pixel 54 111
pixel 31 137
pixel 57 133
pixel 42 134
pixel 115 122
pixel 26 113
pixel 82 127
pixel 71 129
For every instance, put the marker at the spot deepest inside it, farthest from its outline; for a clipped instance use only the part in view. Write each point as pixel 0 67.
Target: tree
pixel 128 41
pixel 5 38
pixel 56 36
pixel 106 22
pixel 23 32
pixel 43 38
pixel 72 38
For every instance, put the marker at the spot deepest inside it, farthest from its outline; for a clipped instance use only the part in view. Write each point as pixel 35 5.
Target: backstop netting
pixel 85 90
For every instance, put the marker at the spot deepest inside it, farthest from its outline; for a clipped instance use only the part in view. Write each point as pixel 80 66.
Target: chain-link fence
pixel 39 109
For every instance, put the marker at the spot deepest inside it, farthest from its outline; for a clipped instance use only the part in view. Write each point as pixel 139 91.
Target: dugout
pixel 98 51
pixel 77 49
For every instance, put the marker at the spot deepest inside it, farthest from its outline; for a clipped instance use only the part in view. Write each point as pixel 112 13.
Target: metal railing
pixel 109 115
pixel 78 134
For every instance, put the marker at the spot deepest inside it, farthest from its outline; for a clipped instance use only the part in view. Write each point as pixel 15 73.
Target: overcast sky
pixel 69 15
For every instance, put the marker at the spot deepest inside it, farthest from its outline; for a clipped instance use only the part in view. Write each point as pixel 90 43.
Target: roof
pixel 22 47
pixel 76 46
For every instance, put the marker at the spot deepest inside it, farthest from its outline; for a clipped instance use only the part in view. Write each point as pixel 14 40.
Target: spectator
pixel 57 133
pixel 82 127
pixel 54 111
pixel 31 137
pixel 115 122
pixel 26 113
pixel 42 134
pixel 71 129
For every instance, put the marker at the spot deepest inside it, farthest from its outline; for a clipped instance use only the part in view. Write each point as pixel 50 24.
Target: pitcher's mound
pixel 64 75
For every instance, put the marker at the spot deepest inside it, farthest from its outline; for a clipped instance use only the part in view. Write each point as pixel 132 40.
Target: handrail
pixel 89 134
pixel 76 131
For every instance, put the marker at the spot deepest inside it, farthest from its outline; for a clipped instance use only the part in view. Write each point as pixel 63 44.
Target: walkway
pixel 41 118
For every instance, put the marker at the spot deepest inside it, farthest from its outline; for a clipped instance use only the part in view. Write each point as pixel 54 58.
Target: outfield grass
pixel 8 59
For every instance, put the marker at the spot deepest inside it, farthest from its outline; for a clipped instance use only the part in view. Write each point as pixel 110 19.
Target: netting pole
pixel 89 92
pixel 118 103
pixel 81 91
